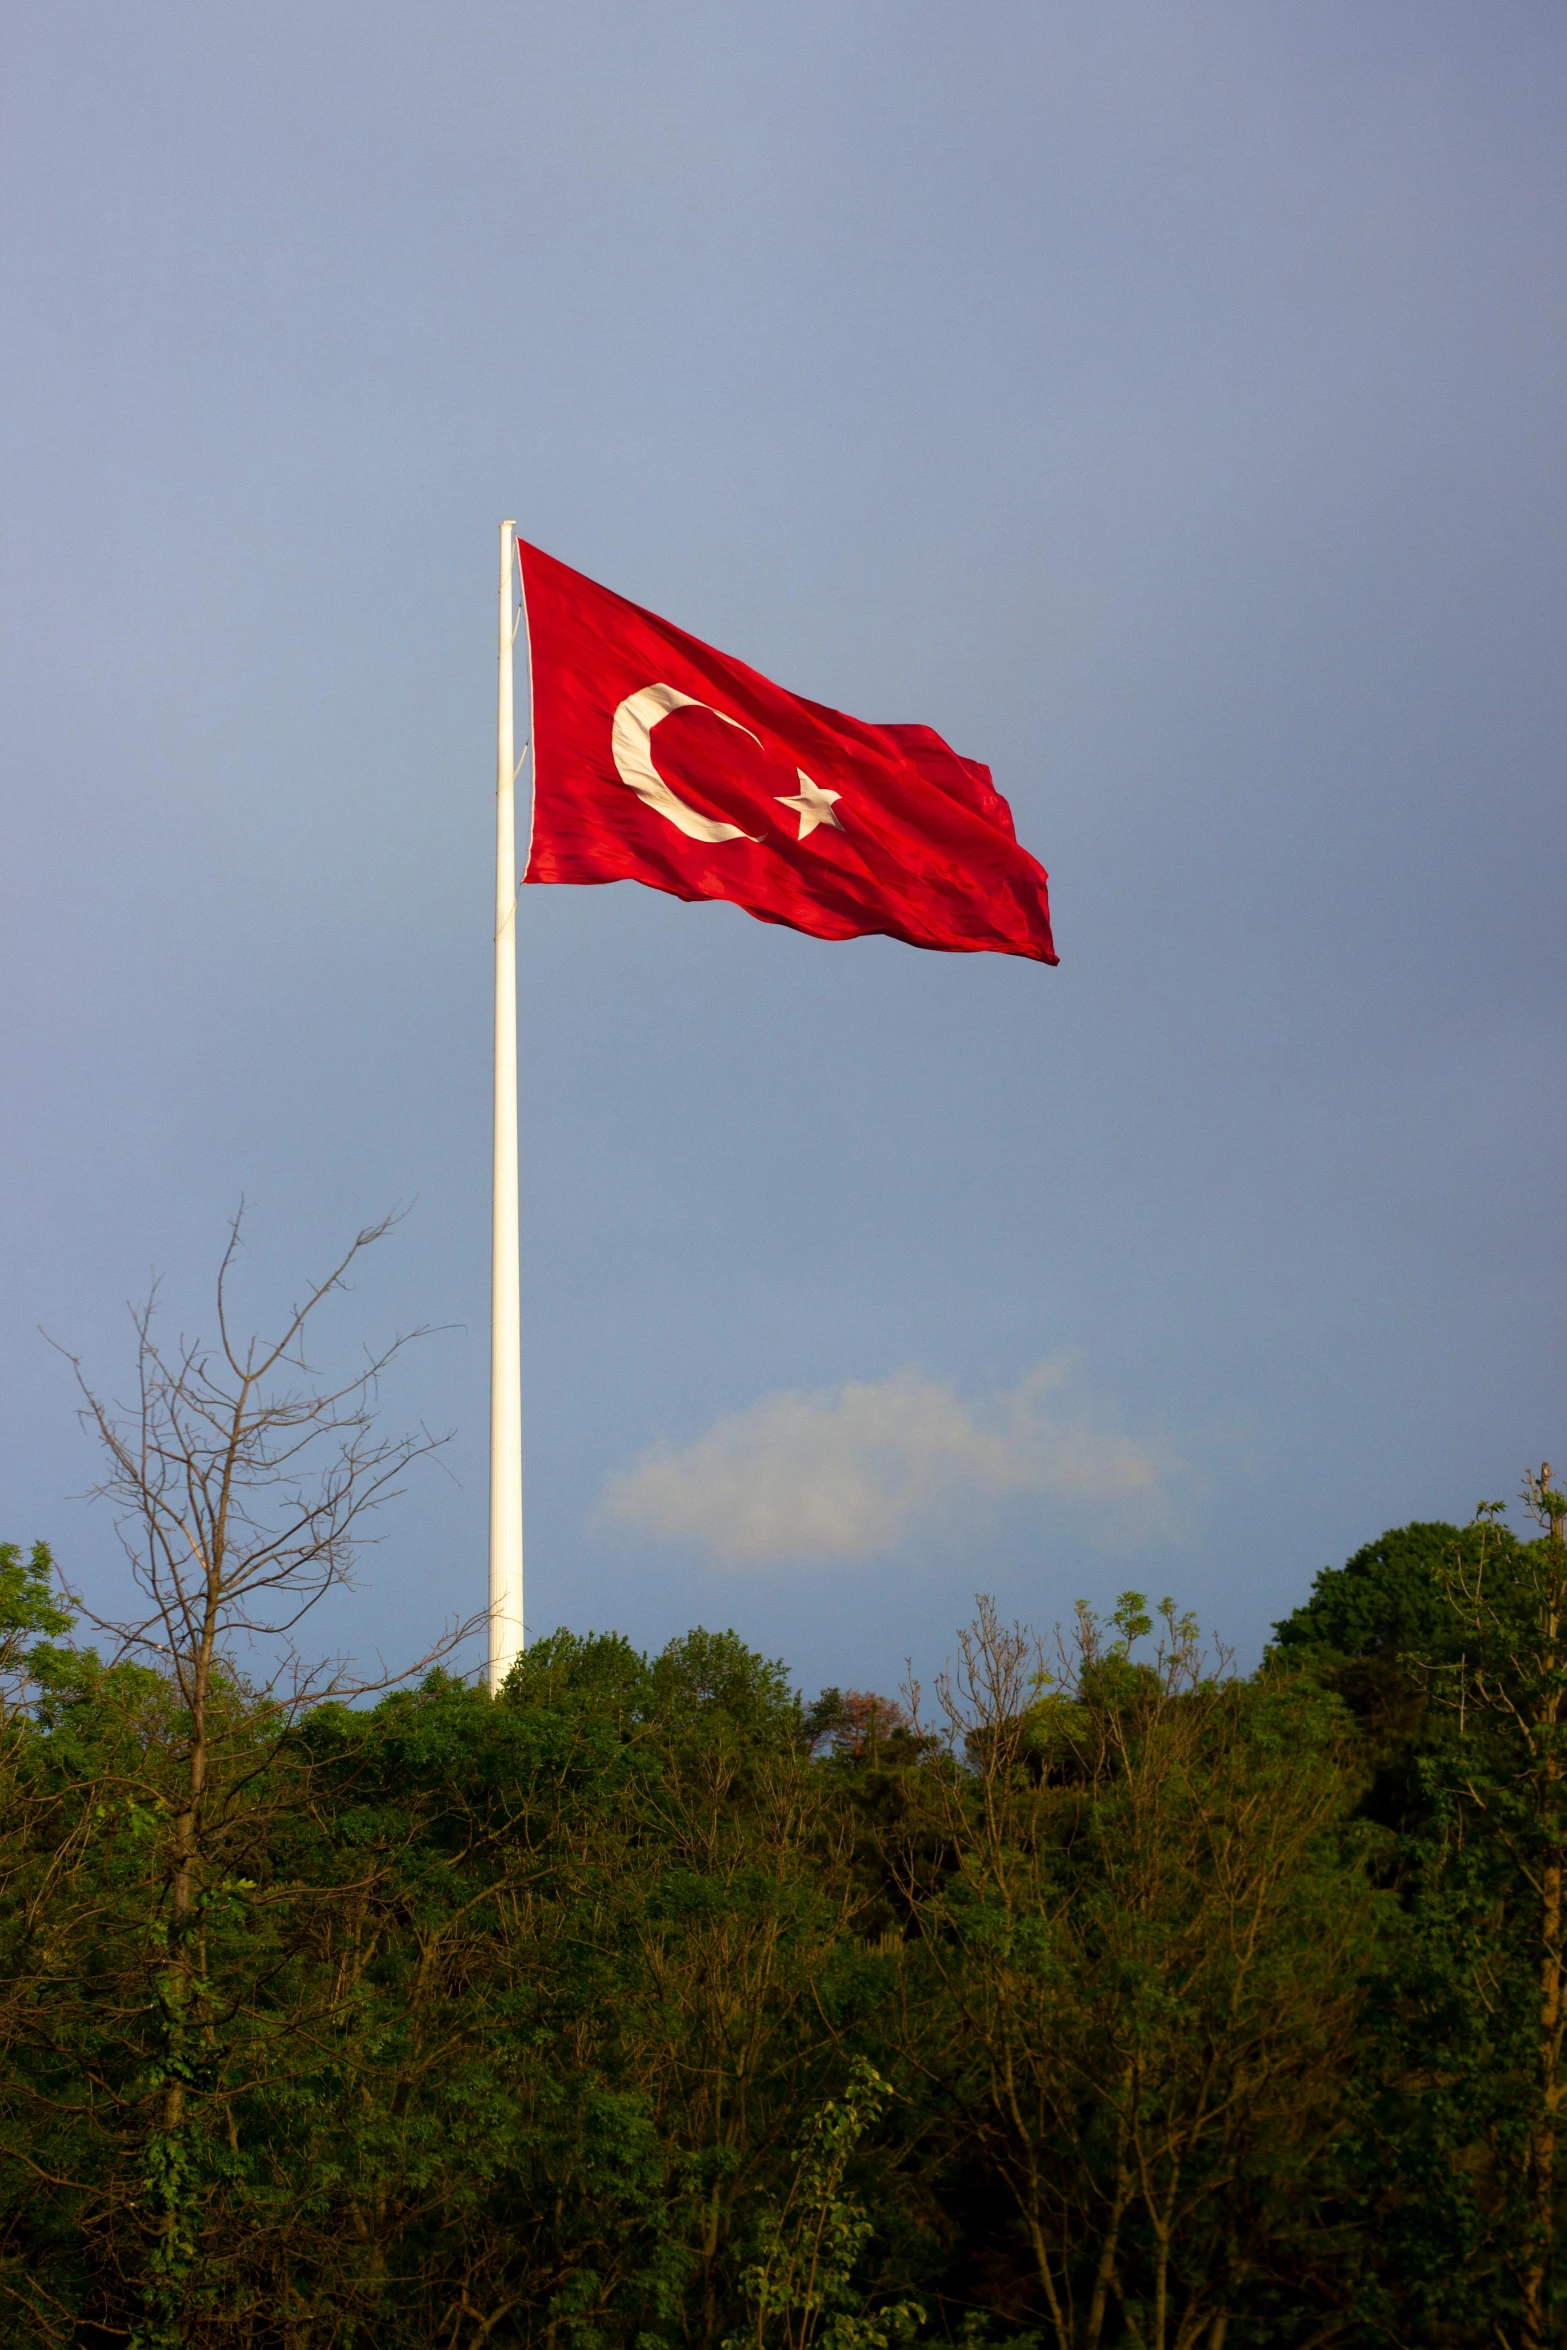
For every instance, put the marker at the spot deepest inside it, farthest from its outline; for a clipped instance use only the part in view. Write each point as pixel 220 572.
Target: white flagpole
pixel 505 1301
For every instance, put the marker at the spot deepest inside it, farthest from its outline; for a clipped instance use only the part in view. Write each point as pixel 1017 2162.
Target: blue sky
pixel 1163 401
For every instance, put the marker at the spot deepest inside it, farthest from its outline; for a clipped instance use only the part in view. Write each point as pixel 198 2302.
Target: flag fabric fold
pixel 658 759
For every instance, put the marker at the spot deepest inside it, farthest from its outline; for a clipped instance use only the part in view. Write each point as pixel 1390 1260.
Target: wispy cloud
pixel 851 1472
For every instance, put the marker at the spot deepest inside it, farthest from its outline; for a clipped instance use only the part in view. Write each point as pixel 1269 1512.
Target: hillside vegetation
pixel 1106 1997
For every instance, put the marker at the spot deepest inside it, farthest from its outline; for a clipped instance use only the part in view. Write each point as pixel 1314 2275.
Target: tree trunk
pixel 1104 2274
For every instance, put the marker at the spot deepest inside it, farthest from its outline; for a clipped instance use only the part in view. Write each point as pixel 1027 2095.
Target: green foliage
pixel 714 1679
pixel 801 2285
pixel 1389 1599
pixel 31 1616
pixel 600 1671
pixel 1134 2004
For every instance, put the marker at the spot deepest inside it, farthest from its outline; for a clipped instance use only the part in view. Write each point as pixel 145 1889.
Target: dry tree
pixel 243 1480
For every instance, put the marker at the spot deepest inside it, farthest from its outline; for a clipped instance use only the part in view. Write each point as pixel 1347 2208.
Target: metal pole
pixel 505 1302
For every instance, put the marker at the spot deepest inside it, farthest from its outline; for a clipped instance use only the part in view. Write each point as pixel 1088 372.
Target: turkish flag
pixel 657 759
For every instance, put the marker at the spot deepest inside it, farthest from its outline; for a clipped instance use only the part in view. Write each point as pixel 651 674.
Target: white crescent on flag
pixel 631 740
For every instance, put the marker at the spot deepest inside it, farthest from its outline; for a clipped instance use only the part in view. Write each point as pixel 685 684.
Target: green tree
pixel 1149 1953
pixel 1443 1642
pixel 1508 1687
pixel 801 2285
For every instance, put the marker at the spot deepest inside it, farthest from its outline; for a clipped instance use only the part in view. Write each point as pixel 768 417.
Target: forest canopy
pixel 1102 1995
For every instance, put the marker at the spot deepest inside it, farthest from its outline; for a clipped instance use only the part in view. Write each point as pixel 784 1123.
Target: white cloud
pixel 850 1472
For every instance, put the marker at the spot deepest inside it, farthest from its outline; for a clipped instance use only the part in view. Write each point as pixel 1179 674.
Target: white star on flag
pixel 812 803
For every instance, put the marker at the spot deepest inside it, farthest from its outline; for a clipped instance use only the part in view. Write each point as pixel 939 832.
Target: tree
pixel 1149 1950
pixel 1389 1600
pixel 30 1613
pixel 1508 1686
pixel 801 2287
pixel 857 1724
pixel 242 1483
pixel 1445 1643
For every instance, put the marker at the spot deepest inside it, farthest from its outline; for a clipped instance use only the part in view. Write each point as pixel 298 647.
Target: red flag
pixel 657 759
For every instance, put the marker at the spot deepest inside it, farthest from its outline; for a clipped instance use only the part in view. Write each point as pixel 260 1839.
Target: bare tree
pixel 243 1481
